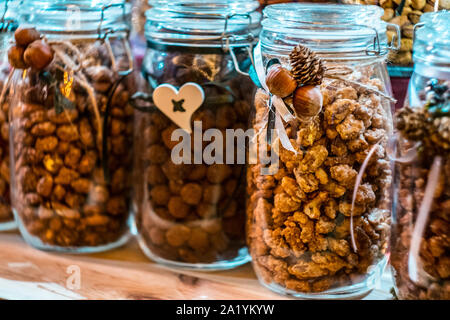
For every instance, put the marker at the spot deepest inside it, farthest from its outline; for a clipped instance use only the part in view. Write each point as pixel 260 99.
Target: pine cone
pixel 307 68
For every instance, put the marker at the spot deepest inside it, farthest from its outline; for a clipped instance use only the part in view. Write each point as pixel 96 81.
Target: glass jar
pixel 191 211
pixel 8 25
pixel 420 245
pixel 72 127
pixel 318 210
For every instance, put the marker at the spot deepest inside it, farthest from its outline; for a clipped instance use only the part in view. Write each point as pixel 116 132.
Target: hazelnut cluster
pixel 30 51
pixel 298 219
pixel 60 191
pixel 5 199
pixel 410 13
pixel 299 87
pixel 193 213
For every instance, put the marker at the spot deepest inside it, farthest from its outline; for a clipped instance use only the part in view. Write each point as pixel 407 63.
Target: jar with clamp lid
pixel 318 198
pixel 420 243
pixel 72 125
pixel 8 24
pixel 191 203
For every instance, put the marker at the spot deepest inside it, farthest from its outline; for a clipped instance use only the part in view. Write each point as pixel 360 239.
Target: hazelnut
pixel 308 101
pixel 25 36
pixel 280 81
pixel 38 55
pixel 15 57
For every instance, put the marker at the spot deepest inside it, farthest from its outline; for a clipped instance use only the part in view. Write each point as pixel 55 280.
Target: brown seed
pixel 59 192
pixel 116 205
pixel 280 81
pixel 191 193
pixel 46 144
pixel 68 116
pixel 96 220
pixel 44 186
pixel 15 57
pixel 160 195
pixel 52 163
pixel 178 208
pixel 177 235
pixel 38 55
pixel 198 240
pixel 25 36
pixel 308 101
pixel 67 133
pixel 81 185
pixel 43 129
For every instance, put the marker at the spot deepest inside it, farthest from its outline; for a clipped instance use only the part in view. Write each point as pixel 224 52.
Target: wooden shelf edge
pixel 124 273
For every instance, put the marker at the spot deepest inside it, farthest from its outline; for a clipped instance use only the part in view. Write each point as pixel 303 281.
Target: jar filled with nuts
pixel 72 124
pixel 420 243
pixel 191 207
pixel 8 25
pixel 405 14
pixel 318 212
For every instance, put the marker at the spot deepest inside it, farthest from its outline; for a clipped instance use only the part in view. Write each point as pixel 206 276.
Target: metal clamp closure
pixel 391 45
pixel 7 24
pixel 103 33
pixel 416 27
pixel 227 39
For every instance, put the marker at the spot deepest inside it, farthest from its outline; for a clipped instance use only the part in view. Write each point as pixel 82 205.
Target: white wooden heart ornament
pixel 179 105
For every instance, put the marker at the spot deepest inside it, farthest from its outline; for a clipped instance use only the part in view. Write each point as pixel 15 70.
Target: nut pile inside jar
pixel 61 193
pixel 299 218
pixel 429 125
pixel 193 213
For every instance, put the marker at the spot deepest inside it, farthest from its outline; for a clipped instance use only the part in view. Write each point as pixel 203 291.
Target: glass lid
pixel 432 39
pixel 325 28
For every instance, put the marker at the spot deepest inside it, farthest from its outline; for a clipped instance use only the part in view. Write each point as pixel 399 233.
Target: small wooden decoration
pixel 179 105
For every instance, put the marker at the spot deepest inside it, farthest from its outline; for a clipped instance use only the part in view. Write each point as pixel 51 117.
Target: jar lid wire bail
pixel 226 39
pixel 104 34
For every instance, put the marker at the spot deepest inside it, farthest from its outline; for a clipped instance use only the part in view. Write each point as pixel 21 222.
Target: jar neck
pixel 334 32
pixel 201 24
pixel 76 19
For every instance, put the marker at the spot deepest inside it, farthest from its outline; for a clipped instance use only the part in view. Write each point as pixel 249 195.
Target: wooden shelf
pixel 124 273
